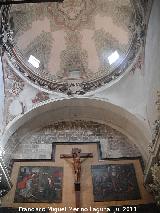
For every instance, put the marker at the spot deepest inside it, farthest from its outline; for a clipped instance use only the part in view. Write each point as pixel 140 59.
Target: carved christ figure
pixel 76 163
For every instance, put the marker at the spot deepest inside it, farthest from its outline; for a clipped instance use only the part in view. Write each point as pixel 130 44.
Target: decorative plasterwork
pixel 40 47
pixel 113 143
pixel 13 86
pixel 138 64
pixel 72 13
pixel 40 96
pixel 158 101
pixel 156 130
pixel 74 59
pixel 154 188
pixel 155 134
pixel 16 89
pixel 105 46
pixel 156 126
pixel 13 83
pixel 74 75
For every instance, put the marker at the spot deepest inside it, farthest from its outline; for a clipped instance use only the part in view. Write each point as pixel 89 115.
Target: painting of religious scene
pixel 39 184
pixel 114 182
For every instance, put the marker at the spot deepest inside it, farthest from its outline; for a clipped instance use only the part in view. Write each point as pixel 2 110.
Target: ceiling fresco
pixel 76 46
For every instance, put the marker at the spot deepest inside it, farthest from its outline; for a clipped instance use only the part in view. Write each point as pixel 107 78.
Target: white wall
pixel 152 62
pixel 152 77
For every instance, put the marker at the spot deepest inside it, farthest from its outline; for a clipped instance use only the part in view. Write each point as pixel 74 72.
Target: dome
pixel 75 46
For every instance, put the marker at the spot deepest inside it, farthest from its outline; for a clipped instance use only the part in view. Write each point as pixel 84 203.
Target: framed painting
pixel 114 182
pixel 39 184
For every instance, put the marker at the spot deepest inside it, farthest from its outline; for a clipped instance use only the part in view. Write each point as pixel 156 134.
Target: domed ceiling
pixel 78 45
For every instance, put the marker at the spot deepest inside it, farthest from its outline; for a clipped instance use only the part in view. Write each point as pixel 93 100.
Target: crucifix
pixel 76 155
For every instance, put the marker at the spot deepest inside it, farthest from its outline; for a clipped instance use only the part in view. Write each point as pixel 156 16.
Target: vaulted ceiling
pixel 78 45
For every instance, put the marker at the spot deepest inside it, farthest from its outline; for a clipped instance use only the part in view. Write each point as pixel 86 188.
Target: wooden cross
pixel 76 156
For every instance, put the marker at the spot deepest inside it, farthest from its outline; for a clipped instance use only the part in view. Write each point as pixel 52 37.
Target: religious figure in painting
pixel 39 184
pixel 114 182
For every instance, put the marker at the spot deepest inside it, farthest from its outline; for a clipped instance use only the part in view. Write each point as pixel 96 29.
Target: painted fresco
pixel 39 184
pixel 73 44
pixel 114 182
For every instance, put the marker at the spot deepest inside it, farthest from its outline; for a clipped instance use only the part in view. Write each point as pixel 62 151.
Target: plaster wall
pixel 128 93
pixel 152 63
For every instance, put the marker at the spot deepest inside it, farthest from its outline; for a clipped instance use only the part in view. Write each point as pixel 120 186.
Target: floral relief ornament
pixel 72 13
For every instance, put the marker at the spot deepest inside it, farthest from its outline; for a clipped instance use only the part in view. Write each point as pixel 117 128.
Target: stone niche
pixel 37 144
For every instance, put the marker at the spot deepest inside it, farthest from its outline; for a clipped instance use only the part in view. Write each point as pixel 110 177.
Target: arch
pixel 83 109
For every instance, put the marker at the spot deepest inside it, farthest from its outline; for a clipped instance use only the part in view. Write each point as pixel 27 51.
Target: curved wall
pixel 82 109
